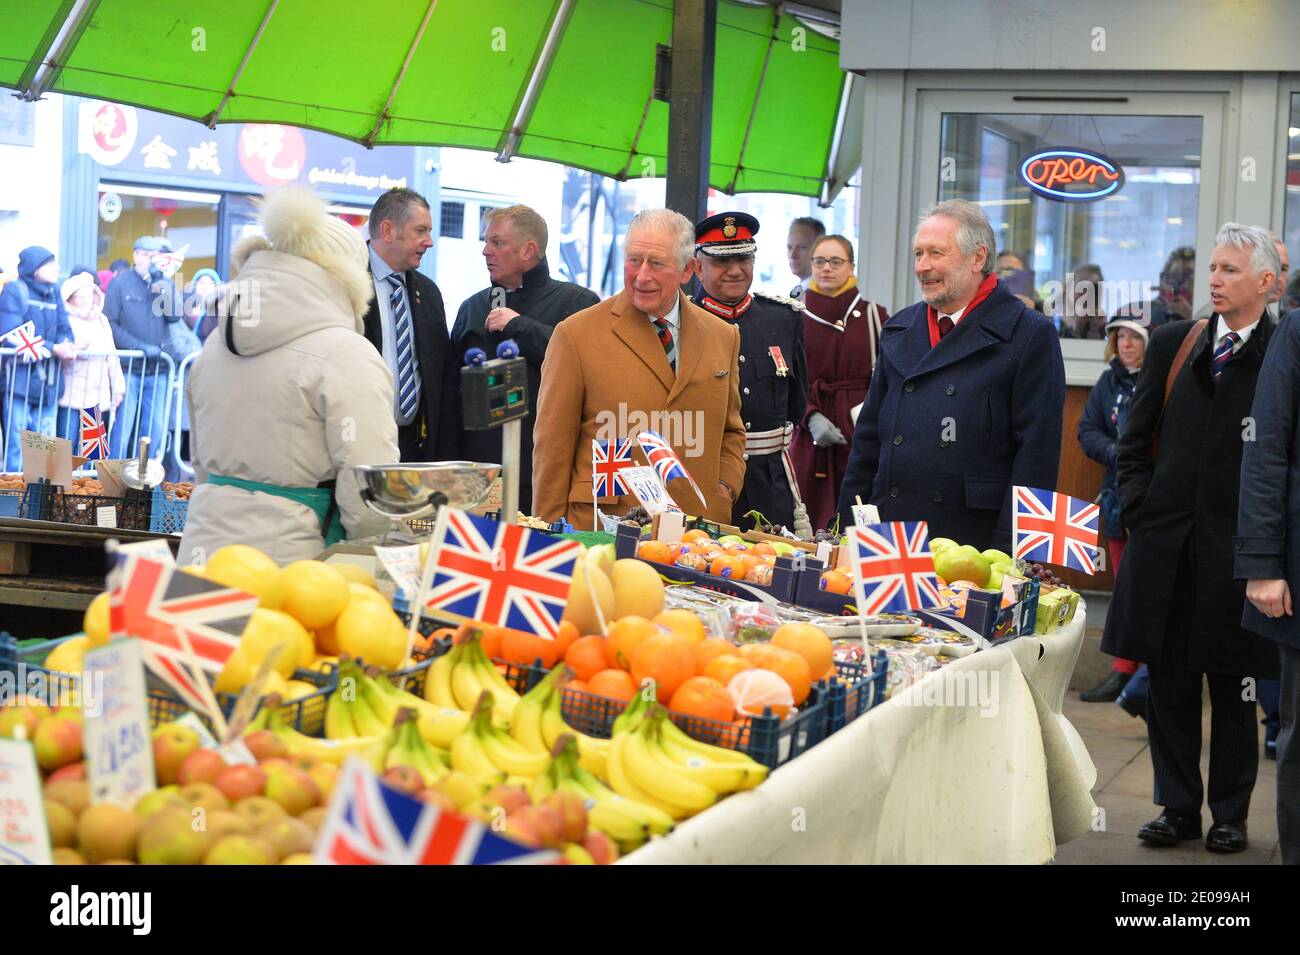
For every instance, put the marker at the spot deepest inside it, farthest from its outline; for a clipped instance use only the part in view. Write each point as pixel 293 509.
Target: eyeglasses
pixel 834 263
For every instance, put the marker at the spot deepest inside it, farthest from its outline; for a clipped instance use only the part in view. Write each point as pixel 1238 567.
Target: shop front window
pixel 188 220
pixel 1291 212
pixel 1079 259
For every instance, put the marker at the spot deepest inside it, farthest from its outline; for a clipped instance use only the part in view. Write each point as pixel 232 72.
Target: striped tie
pixel 666 339
pixel 408 385
pixel 1223 352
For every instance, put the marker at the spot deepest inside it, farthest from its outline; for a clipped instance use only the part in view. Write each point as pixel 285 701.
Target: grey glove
pixel 823 431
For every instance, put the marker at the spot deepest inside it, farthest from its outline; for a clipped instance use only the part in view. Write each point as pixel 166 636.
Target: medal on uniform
pixel 781 368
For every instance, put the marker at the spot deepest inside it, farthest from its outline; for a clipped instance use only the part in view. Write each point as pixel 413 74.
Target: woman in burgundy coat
pixel 842 336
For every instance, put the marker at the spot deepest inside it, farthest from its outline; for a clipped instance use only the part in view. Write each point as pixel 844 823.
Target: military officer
pixel 773 371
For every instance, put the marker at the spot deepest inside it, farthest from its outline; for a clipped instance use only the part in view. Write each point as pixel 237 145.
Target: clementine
pixel 624 635
pixel 492 637
pixel 684 623
pixel 706 651
pixel 616 684
pixel 666 659
pixel 523 649
pixel 809 642
pixel 704 697
pixel 790 667
pixel 754 691
pixel 587 657
pixel 724 668
pixel 565 636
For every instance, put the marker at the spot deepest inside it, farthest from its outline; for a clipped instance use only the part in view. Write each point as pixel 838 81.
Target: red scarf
pixel 988 285
pixel 726 311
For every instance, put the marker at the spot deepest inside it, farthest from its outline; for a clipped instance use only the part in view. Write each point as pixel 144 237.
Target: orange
pixel 616 684
pixel 565 636
pixel 656 551
pixel 723 669
pixel 706 651
pixel 790 667
pixel 809 642
pixel 704 697
pixel 692 536
pixel 725 566
pixel 587 656
pixel 624 635
pixel 525 648
pixel 666 659
pixel 753 691
pixel 836 582
pixel 578 685
pixel 763 549
pixel 492 637
pixel 684 623
pixel 755 653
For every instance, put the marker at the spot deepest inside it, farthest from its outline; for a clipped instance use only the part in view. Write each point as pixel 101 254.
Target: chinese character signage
pixel 265 155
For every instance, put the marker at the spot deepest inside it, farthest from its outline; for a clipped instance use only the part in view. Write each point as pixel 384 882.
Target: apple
pixel 292 788
pixel 548 824
pixel 509 798
pixel 240 850
pixel 26 716
pixel 324 775
pixel 152 803
pixel 601 847
pixel 169 838
pixel 205 796
pixel 960 564
pixel 940 544
pixel 171 744
pixel 436 797
pixel 259 809
pixel 996 557
pixel 573 814
pixel 264 745
pixel 201 766
pixel 57 741
pixel 998 571
pixel 70 771
pixel 782 548
pixel 240 782
pixel 404 778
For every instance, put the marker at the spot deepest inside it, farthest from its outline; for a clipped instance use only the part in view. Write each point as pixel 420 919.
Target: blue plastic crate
pixel 864 689
pixel 11 503
pixel 168 514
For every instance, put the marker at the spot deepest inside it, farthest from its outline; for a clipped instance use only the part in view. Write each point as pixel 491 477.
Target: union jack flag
pixel 94 436
pixel 893 569
pixel 25 339
pixel 661 456
pixel 371 823
pixel 1055 528
pixel 500 573
pixel 608 458
pixel 151 600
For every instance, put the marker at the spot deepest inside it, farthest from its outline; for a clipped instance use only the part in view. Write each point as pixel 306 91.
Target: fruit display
pixel 729 556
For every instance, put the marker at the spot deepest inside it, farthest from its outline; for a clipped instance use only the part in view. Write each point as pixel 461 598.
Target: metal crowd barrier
pixel 180 452
pixel 63 395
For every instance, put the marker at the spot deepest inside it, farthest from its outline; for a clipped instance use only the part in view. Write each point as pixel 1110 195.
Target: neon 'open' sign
pixel 1071 175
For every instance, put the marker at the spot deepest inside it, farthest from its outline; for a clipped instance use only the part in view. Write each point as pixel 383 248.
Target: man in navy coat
pixel 967 398
pixel 1267 550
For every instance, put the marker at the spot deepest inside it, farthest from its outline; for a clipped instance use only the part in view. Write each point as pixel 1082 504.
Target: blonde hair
pixel 1112 346
pixel 526 221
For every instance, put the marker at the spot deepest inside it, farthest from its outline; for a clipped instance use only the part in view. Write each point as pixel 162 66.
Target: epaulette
pixel 793 303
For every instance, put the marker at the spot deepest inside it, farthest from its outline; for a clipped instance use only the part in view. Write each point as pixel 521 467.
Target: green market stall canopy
pixel 570 81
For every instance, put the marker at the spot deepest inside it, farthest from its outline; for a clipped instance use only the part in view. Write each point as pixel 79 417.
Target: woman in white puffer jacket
pixel 288 395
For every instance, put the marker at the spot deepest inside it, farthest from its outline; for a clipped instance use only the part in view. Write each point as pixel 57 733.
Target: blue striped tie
pixel 1223 352
pixel 408 385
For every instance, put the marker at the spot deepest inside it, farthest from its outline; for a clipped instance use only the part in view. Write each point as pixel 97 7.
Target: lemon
pixel 248 569
pixel 278 685
pixel 235 674
pixel 95 622
pixel 296 689
pixel 358 591
pixel 66 657
pixel 314 593
pixel 355 573
pixel 269 628
pixel 370 630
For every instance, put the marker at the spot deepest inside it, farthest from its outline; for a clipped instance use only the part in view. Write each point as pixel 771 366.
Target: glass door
pixel 1101 204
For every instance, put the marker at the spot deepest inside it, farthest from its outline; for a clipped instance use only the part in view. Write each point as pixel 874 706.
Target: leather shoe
pixel 1107 690
pixel 1226 837
pixel 1170 828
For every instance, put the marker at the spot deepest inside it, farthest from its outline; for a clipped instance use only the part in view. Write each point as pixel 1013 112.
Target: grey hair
pixel 395 205
pixel 973 229
pixel 1263 255
pixel 666 220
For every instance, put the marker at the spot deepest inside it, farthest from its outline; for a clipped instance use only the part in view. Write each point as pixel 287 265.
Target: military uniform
pixel 773 376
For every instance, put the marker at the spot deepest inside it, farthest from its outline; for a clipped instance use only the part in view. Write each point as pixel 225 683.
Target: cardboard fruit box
pixel 983 612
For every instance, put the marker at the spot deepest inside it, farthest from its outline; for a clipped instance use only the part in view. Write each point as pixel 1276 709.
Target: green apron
pixel 319 499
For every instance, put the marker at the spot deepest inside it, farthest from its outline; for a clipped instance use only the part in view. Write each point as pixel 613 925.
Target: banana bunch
pixel 628 822
pixel 487 752
pixel 408 748
pixel 348 712
pixel 651 760
pixel 439 725
pixel 328 750
pixel 538 723
pixel 458 678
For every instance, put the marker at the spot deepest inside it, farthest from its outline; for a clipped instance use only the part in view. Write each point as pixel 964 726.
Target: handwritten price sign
pixel 119 751
pixel 24 835
pixel 649 490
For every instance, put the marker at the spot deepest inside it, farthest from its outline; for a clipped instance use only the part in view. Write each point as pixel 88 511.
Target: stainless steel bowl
pixel 404 491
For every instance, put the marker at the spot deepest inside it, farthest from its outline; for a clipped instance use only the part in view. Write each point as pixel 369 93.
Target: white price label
pixel 649 490
pixel 864 515
pixel 106 516
pixel 24 833
pixel 118 741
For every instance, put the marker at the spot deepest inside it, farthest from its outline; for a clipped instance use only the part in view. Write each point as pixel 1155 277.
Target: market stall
pixel 917 780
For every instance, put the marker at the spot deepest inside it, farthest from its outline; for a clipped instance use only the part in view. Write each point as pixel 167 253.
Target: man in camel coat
pixel 646 359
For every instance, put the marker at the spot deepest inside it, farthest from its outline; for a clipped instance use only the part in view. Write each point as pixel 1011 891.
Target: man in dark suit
pixel 408 326
pixel 967 397
pixel 1176 606
pixel 523 303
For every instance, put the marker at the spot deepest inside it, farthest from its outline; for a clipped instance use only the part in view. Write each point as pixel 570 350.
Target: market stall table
pixel 973 764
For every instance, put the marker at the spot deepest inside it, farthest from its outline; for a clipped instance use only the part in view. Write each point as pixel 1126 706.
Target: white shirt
pixel 955 316
pixel 380 271
pixel 1222 329
pixel 674 320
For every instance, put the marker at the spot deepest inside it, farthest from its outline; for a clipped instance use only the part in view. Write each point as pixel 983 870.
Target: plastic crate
pixel 132 513
pixel 865 689
pixel 11 503
pixel 168 513
pixel 306 714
